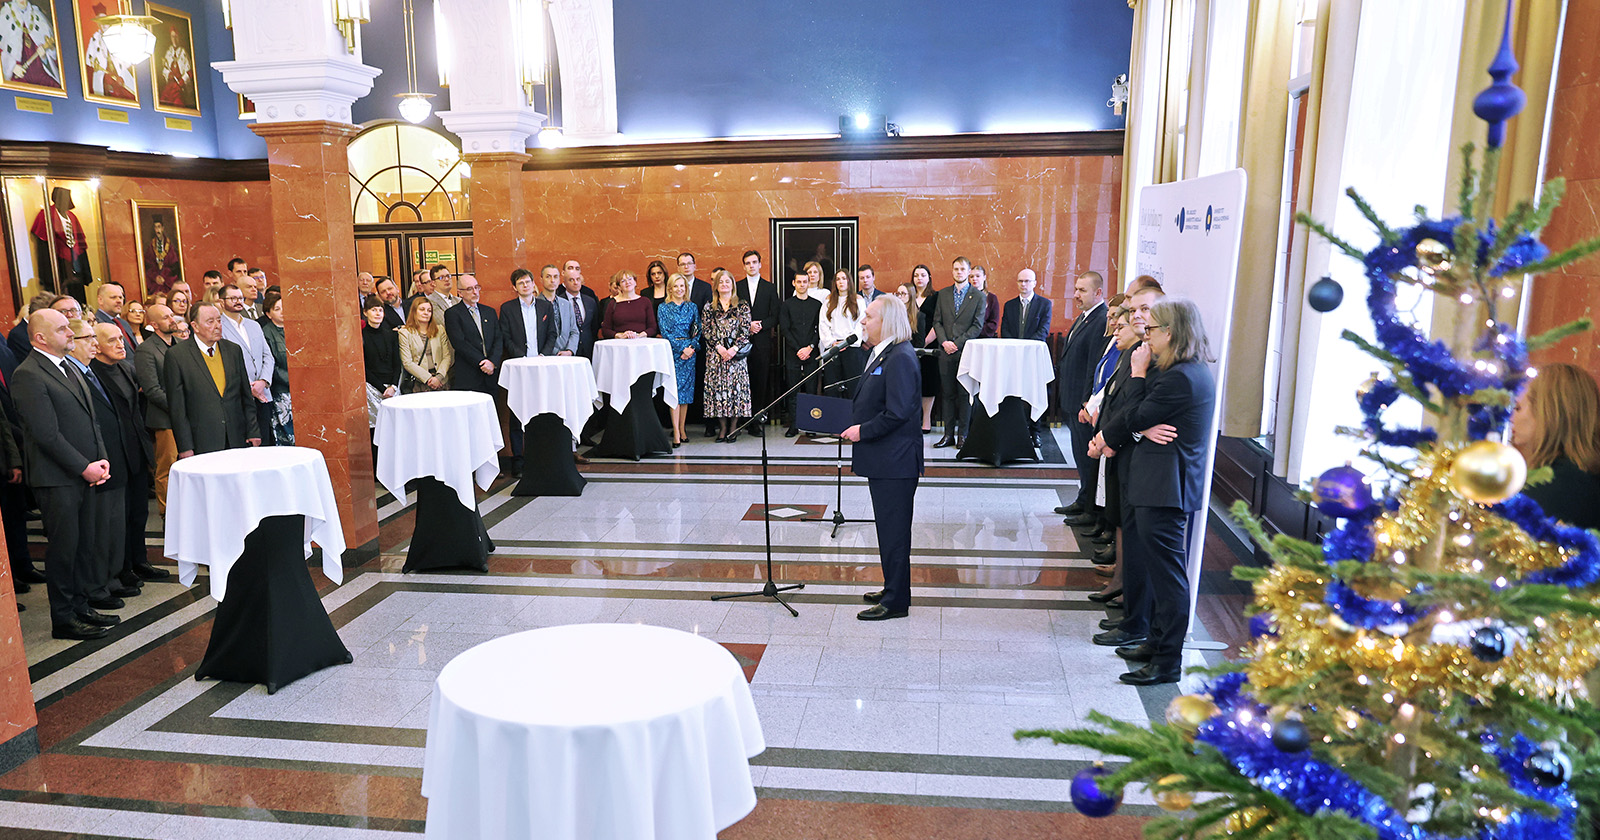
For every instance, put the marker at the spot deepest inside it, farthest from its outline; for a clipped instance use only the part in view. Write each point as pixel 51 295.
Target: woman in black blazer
pixel 1163 436
pixel 887 449
pixel 1556 424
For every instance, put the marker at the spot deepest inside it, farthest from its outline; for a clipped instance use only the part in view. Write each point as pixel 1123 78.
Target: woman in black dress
pixel 926 298
pixel 1556 424
pixel 380 352
pixel 655 283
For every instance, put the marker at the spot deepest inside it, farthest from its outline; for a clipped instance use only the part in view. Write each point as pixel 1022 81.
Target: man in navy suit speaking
pixel 887 434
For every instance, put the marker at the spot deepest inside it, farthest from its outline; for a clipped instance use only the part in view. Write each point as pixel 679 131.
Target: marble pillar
pixel 314 237
pixel 19 738
pixel 499 226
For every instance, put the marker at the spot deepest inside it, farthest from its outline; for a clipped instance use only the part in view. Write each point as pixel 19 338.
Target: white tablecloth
pixel 620 361
pixel 590 732
pixel 453 436
pixel 215 500
pixel 561 385
pixel 995 368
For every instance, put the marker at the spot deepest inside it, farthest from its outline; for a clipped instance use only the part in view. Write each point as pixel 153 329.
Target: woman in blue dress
pixel 679 322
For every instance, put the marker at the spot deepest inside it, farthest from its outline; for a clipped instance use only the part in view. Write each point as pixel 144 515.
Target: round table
pixel 439 442
pixel 590 732
pixel 628 371
pixel 552 397
pixel 250 516
pixel 1009 380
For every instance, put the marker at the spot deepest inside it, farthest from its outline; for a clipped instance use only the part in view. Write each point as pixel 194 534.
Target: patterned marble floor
pixel 891 729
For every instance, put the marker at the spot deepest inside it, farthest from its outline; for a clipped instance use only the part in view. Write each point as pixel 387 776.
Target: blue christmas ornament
pixel 1325 295
pixel 1342 492
pixel 1291 735
pixel 1549 766
pixel 1501 100
pixel 1261 625
pixel 1489 644
pixel 1087 796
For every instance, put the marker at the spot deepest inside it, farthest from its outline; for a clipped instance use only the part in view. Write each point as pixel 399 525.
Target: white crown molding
pixel 493 131
pixel 293 90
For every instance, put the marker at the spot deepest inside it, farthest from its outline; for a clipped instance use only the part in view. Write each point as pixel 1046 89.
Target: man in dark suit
pixel 798 321
pixel 14 502
pixel 394 312
pixel 208 391
pixel 585 306
pixel 887 450
pixel 65 458
pixel 114 371
pixel 149 365
pixel 474 333
pixel 867 284
pixel 1074 375
pixel 1027 316
pixel 528 328
pixel 110 496
pixel 957 318
pixel 763 299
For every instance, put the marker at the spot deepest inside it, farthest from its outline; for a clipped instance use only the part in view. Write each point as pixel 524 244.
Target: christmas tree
pixel 1420 674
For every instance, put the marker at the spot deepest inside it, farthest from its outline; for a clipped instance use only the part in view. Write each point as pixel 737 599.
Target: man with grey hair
pixel 112 368
pixel 365 288
pixel 208 391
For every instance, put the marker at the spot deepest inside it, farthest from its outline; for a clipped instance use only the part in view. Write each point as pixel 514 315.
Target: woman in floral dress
pixel 725 323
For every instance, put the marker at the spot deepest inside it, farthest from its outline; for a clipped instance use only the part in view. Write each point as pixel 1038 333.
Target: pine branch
pixel 1549 199
pixel 1556 335
pixel 1538 476
pixel 1469 177
pixel 1384 231
pixel 1567 257
pixel 1323 231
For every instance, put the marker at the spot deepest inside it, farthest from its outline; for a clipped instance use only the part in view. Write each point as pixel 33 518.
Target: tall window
pixel 406 173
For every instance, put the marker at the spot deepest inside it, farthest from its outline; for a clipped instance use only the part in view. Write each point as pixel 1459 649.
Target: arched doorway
pixel 409 189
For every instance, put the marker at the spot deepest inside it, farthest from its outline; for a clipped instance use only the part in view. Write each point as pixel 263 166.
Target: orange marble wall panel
pixel 17 714
pixel 1559 297
pixel 218 221
pixel 500 239
pixel 8 307
pixel 1056 215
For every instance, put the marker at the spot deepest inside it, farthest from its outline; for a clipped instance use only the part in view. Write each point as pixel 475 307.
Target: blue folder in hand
pixel 823 415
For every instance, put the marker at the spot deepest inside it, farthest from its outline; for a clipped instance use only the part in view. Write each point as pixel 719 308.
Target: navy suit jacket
pixel 465 375
pixel 1171 475
pixel 888 408
pixel 1038 326
pixel 514 341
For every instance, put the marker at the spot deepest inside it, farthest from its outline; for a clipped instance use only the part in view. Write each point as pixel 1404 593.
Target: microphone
pixel 850 341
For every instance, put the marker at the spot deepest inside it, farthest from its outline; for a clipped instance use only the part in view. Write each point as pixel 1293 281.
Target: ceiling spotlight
pixel 862 125
pixel 863 119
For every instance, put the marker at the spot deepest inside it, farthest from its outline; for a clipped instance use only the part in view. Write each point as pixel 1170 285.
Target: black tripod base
pixel 839 521
pixel 771 590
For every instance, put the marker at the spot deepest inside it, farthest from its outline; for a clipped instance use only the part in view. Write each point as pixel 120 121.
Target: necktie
pixel 477 321
pixel 76 380
pixel 577 306
pixel 99 388
pixel 1022 328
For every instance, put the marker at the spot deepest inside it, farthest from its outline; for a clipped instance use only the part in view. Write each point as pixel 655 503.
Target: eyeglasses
pixel 83 338
pixel 1166 327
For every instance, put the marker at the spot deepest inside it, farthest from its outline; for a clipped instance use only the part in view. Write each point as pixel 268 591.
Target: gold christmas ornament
pixel 1188 711
pixel 1488 472
pixel 1433 257
pixel 1244 820
pixel 1366 387
pixel 1173 800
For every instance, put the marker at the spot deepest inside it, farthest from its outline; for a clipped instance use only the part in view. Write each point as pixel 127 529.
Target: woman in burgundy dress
pixel 629 315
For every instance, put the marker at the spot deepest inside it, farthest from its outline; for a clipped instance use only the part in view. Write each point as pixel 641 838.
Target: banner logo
pixel 1179 220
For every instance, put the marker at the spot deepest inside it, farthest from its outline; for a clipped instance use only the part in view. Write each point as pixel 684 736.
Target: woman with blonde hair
pixel 1556 424
pixel 725 324
pixel 425 351
pixel 629 315
pixel 679 321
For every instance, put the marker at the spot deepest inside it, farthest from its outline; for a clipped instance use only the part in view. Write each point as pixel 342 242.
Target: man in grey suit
pixel 957 318
pixel 566 329
pixel 258 361
pixel 65 459
pixel 208 395
pixel 149 360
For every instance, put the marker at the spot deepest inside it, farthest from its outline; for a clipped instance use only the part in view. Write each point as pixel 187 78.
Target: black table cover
pixel 1003 437
pixel 547 465
pixel 272 629
pixel 448 535
pixel 635 432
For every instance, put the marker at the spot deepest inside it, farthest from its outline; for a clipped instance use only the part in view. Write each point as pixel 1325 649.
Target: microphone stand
pixel 771 589
pixel 839 520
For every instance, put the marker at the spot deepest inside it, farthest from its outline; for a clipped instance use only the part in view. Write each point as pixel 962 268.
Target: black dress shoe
pixel 928 431
pixel 77 630
pixel 759 430
pixel 880 613
pixel 1137 653
pixel 124 591
pixel 27 574
pixel 960 442
pixel 1069 510
pixel 1083 520
pixel 791 432
pixel 873 597
pixel 1104 556
pixel 146 571
pixel 19 587
pixel 109 603
pixel 676 444
pixel 1117 602
pixel 99 619
pixel 1105 595
pixel 733 438
pixel 1035 438
pixel 944 442
pixel 1110 623
pixel 1152 674
pixel 1117 638
pixel 1102 539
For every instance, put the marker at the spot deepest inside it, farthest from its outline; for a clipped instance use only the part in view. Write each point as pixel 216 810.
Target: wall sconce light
pixel 128 37
pixel 862 125
pixel 1119 94
pixel 348 15
pixel 227 14
pixel 532 69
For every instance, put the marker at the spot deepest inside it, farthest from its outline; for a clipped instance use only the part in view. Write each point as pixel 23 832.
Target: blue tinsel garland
pixel 1240 732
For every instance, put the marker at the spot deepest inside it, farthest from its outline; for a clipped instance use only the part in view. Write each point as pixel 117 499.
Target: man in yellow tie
pixel 208 390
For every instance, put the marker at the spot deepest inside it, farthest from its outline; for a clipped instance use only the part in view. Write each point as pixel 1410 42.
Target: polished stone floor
pixel 886 730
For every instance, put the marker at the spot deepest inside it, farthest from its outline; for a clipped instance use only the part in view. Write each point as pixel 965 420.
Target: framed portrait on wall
pixel 105 79
pixel 172 75
pixel 30 47
pixel 155 226
pixel 39 212
pixel 247 108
